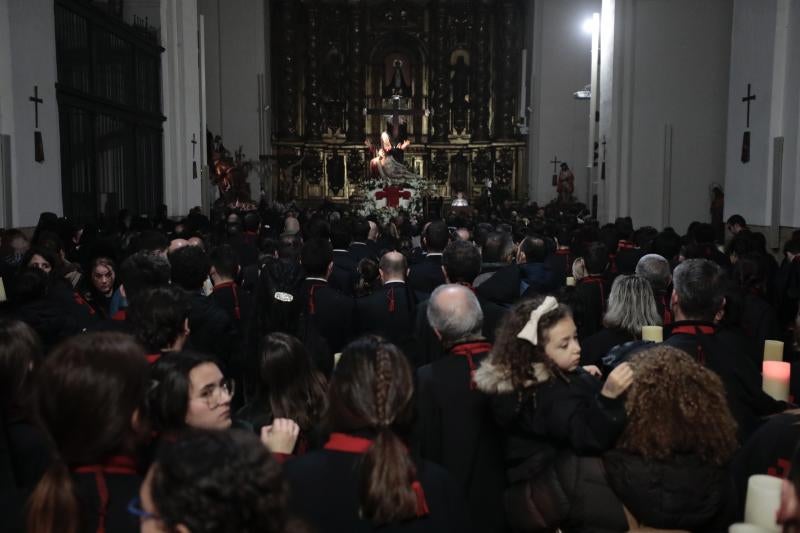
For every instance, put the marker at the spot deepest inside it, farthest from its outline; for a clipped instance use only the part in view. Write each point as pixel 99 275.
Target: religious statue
pixel 460 91
pixel 388 162
pixel 460 200
pixel 566 185
pixel 230 176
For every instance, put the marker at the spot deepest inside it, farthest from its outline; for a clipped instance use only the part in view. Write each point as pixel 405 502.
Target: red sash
pixel 342 442
pixel 597 280
pixel 152 358
pixel 236 311
pixel 697 329
pixel 119 464
pixel 470 350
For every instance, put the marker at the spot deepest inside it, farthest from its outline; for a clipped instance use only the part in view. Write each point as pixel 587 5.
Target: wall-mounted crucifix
pixel 555 162
pixel 38 143
pixel 746 137
pixel 603 164
pixel 194 160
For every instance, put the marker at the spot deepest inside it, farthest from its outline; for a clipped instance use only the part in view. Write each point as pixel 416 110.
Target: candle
pixel 2 291
pixel 653 333
pixel 775 375
pixel 747 528
pixel 763 501
pixel 570 281
pixel 773 350
pixel 336 357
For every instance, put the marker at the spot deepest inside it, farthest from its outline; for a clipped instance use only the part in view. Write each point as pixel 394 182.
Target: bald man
pixel 455 427
pixel 390 311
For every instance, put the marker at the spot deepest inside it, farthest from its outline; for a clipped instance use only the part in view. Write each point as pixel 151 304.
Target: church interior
pixel 120 104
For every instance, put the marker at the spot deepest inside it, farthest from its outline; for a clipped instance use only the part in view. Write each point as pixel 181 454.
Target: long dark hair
pixel 87 392
pixel 371 389
pixel 20 354
pixel 168 398
pixel 219 481
pixel 289 382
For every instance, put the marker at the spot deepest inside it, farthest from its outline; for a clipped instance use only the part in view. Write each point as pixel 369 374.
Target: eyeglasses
pixel 135 508
pixel 214 396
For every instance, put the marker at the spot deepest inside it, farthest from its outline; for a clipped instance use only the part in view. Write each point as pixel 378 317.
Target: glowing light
pixel 589 25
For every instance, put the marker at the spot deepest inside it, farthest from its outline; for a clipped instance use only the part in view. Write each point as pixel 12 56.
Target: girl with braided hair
pixel 369 405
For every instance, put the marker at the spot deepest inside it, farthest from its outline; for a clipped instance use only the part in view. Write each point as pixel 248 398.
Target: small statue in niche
pixel 459 83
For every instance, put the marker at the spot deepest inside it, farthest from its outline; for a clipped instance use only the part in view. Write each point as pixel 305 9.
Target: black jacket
pixel 211 329
pixel 456 429
pixel 426 275
pixel 390 312
pixel 330 311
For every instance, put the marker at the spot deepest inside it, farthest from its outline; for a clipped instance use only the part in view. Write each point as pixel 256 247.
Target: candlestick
pixel 763 501
pixel 653 333
pixel 773 350
pixel 775 379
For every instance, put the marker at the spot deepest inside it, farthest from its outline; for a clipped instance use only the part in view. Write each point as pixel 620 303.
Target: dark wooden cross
pixel 555 162
pixel 395 112
pixel 194 161
pixel 749 98
pixel 194 144
pixel 36 101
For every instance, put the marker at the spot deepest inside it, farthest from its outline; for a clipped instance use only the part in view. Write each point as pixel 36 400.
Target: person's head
pixel 435 236
pixel 631 305
pixel 291 226
pixel 656 270
pixel 214 482
pixel 340 236
pixel 176 244
pixel 317 258
pixel 461 262
pixel 527 360
pixel 30 284
pixel 289 246
pixel 103 275
pixel 455 314
pixel 153 241
pixel 141 271
pixel 360 229
pixel 288 381
pixel 463 234
pixel 386 142
pixel 735 224
pixel 677 406
pixel 791 249
pixel 190 267
pixel 498 248
pixel 159 318
pixel 371 388
pixel 596 258
pixel 189 391
pixel 393 267
pixel 224 263
pixel 251 222
pixel 90 396
pixel 42 258
pixel 532 249
pixel 699 290
pixel 13 247
pixel 20 354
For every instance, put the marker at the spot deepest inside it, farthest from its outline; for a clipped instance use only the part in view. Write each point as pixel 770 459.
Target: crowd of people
pixel 311 370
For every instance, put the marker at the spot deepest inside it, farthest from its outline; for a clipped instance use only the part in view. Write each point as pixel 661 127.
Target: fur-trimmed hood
pixel 494 379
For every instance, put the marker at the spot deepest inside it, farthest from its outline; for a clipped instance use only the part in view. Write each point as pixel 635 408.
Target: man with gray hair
pixel 698 301
pixel 656 270
pixel 455 427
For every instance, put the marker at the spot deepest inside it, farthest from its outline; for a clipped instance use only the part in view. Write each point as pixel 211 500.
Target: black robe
pixel 324 488
pixel 210 329
pixel 426 275
pixel 588 303
pixel 344 275
pixel 329 310
pixel 456 429
pixel 390 312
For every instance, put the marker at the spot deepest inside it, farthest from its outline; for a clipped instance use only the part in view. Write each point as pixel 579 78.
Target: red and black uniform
pixel 324 491
pixel 330 311
pixel 104 492
pixel 456 429
pixel 590 297
pixel 389 312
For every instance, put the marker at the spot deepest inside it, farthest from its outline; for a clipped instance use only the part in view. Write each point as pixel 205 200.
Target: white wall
pixel 668 68
pixel 235 46
pixel 562 65
pixel 28 58
pixel 766 37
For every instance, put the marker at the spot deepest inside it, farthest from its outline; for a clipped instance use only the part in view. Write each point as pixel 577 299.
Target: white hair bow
pixel 530 331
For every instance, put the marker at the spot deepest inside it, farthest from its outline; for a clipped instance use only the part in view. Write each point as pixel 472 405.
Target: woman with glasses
pixel 188 389
pixel 90 392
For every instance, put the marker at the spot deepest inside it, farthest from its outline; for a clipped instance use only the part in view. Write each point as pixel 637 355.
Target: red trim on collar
pixel 152 358
pixel 693 330
pixel 118 464
pixel 470 350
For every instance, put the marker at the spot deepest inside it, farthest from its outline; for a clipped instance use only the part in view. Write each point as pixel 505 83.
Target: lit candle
pixel 570 281
pixel 653 333
pixel 775 375
pixel 773 350
pixel 763 501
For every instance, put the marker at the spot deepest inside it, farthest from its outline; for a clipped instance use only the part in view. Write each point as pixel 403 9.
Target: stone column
pixel 355 98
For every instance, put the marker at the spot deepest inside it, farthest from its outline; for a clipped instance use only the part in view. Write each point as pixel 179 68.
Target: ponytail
pixel 53 505
pixel 387 475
